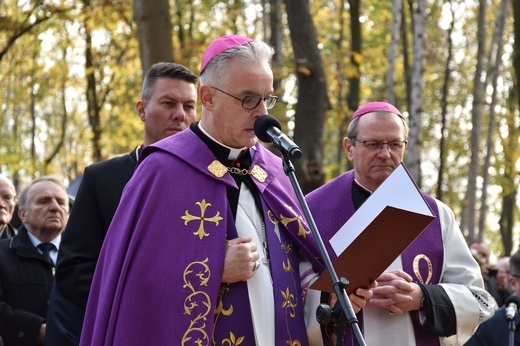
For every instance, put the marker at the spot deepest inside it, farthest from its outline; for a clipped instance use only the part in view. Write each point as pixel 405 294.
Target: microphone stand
pixel 343 312
pixel 512 328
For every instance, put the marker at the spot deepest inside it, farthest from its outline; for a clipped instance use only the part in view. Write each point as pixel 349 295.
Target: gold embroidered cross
pixel 203 206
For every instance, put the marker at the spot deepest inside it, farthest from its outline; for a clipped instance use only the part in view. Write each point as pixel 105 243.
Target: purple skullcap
pixel 220 45
pixel 375 107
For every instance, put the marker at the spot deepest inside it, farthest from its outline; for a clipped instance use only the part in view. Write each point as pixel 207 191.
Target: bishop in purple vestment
pixel 208 245
pixel 433 293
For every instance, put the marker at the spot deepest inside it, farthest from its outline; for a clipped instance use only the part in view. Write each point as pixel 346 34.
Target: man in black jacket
pixel 27 262
pixel 7 205
pixel 167 106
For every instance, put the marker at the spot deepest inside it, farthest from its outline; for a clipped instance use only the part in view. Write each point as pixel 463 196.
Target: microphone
pixel 268 130
pixel 512 304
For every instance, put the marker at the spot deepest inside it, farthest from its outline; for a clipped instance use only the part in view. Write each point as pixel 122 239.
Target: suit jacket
pixel 495 331
pixel 94 207
pixel 25 281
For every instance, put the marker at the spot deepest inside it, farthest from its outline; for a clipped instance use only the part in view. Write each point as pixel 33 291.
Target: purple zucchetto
pixel 220 45
pixel 376 107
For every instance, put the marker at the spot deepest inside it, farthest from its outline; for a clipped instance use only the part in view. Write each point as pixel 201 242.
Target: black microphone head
pixel 264 123
pixel 513 299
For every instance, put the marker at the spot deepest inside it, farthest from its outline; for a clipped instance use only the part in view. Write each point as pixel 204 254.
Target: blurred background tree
pixel 70 74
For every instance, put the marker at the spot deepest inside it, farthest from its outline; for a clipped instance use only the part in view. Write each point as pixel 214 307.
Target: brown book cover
pixel 369 250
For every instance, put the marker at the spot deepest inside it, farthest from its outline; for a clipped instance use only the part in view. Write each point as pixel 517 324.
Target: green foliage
pixel 42 75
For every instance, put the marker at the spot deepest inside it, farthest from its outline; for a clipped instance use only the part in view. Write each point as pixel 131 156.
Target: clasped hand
pixel 396 292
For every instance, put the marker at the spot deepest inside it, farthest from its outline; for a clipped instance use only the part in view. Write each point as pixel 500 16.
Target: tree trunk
pixel 343 113
pixel 444 104
pixel 312 95
pixel 469 204
pixel 516 47
pixel 276 40
pixel 154 31
pixel 495 63
pixel 506 221
pixel 406 55
pixel 355 59
pixel 94 118
pixel 397 15
pixel 414 140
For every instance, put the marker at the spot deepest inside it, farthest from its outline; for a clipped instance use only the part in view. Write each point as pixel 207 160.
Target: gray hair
pixel 514 264
pixel 254 51
pixel 165 70
pixel 353 127
pixel 24 196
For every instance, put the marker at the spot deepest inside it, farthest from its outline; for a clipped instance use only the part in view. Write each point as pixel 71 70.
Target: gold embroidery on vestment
pixel 220 306
pixel 272 218
pixel 289 302
pixel 302 232
pixel 416 270
pixel 197 299
pixel 259 173
pixel 233 340
pixel 201 233
pixel 217 169
pixel 287 249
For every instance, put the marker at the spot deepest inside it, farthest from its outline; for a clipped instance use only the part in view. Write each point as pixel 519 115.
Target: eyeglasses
pixel 393 146
pixel 8 198
pixel 251 102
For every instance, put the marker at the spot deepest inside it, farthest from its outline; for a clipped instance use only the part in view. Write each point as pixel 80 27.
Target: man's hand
pixel 358 299
pixel 41 336
pixel 361 296
pixel 396 292
pixel 239 263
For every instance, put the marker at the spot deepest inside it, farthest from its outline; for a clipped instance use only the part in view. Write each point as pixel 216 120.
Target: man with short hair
pixel 209 245
pixel 499 283
pixel 167 106
pixel 27 262
pixel 7 206
pixel 434 289
pixel 496 330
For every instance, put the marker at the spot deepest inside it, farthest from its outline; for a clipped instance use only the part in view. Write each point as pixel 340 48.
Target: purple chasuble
pixel 332 205
pixel 158 278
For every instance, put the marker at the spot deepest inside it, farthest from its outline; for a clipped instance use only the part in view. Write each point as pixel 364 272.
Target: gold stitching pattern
pixel 232 340
pixel 195 334
pixel 201 233
pixel 302 232
pixel 416 271
pixel 287 249
pixel 289 302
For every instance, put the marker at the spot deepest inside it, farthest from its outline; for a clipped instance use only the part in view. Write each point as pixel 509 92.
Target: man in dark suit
pixel 495 331
pixel 27 262
pixel 167 106
pixel 7 205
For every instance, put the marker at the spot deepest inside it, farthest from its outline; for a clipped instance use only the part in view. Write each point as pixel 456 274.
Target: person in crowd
pixel 434 288
pixel 481 253
pixel 498 285
pixel 209 245
pixel 27 262
pixel 167 106
pixel 496 330
pixel 7 205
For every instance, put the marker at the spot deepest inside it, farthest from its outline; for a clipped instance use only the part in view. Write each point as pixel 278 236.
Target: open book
pixel 378 232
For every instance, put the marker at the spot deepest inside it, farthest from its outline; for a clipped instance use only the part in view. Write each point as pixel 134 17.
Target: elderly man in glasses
pixel 7 206
pixel 434 289
pixel 208 245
